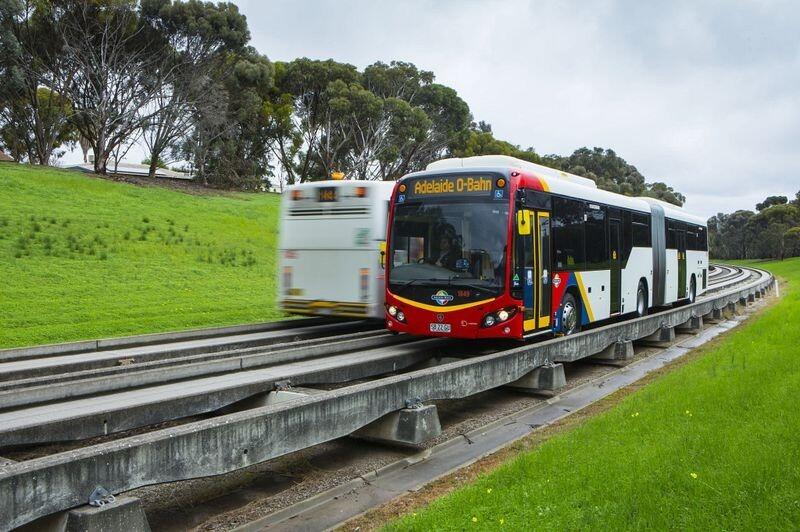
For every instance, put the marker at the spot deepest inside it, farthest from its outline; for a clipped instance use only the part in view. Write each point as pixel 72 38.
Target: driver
pixel 448 255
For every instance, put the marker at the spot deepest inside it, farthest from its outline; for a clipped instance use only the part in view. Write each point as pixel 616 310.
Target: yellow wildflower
pixel 502 521
pixel 489 490
pixel 474 519
pixel 693 475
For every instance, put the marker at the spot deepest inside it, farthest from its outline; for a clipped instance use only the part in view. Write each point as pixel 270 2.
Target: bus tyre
pixel 570 315
pixel 641 300
pixel 692 290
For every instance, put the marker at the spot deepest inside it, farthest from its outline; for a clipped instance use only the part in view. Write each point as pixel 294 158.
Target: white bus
pixel 332 243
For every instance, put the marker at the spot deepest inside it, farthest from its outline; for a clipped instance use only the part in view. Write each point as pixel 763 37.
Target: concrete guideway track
pixel 104 344
pixel 64 386
pixel 123 410
pixel 42 486
pixel 54 365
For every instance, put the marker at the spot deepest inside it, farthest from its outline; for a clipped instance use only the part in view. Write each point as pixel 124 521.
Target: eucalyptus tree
pixel 35 119
pixel 113 60
pixel 196 35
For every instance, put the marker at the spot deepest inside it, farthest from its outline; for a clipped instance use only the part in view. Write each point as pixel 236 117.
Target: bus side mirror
pixel 383 255
pixel 523 222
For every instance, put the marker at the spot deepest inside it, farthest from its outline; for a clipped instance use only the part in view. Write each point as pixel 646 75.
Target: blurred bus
pixel 332 243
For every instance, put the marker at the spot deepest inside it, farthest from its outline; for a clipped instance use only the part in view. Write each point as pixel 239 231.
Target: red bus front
pixel 449 256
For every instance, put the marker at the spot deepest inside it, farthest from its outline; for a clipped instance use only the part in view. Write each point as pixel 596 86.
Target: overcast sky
pixel 702 95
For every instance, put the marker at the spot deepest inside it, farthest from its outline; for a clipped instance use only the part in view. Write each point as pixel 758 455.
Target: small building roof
pixel 133 170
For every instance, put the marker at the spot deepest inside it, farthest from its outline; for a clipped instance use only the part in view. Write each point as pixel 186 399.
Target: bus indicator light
pixel 361 192
pixel 401 188
pixel 297 195
pixel 500 183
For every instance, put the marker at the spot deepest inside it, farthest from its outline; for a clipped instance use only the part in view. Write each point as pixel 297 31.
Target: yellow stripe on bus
pixel 585 297
pixel 440 308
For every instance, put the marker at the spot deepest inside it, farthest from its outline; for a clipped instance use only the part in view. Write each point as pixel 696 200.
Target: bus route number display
pixel 326 194
pixel 456 185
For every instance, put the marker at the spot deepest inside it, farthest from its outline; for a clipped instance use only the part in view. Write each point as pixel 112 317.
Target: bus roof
pixel 387 186
pixel 563 183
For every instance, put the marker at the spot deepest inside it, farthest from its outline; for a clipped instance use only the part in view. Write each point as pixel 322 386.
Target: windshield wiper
pixel 467 285
pixel 412 281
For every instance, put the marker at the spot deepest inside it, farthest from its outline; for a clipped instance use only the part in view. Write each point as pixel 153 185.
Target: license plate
pixel 440 327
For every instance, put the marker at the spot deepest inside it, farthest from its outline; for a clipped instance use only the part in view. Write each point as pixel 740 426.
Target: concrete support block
pixel 716 314
pixel 742 302
pixel 125 513
pixel 692 325
pixel 660 337
pixel 616 352
pixel 408 427
pixel 549 378
pixel 759 293
pixel 730 310
pixel 751 298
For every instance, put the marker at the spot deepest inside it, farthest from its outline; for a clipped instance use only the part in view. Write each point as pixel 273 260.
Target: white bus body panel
pixel 640 266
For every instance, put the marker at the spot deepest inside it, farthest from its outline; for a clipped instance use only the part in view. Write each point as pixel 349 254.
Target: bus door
pixel 615 250
pixel 533 271
pixel 681 237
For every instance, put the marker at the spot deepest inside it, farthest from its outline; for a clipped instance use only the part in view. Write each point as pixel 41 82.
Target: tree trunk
pixel 153 164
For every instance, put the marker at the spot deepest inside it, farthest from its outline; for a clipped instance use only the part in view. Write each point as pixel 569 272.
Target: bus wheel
pixel 641 300
pixel 692 290
pixel 570 315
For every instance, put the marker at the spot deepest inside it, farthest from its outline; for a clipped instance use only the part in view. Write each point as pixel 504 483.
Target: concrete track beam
pixel 616 352
pixel 692 325
pixel 549 378
pixel 663 335
pixel 408 427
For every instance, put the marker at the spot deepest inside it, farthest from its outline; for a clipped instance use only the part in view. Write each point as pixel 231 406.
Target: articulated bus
pixel 494 246
pixel 332 243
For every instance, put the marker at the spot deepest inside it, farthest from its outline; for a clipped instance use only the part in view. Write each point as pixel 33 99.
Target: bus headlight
pixel 493 318
pixel 401 316
pixel 392 311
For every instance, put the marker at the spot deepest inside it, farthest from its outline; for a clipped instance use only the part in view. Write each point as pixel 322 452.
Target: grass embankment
pixel 714 444
pixel 82 257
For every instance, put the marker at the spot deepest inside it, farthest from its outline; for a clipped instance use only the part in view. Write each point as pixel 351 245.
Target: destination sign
pixel 451 185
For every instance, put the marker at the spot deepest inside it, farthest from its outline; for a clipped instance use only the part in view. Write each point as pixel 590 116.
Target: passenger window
pixel 596 241
pixel 568 234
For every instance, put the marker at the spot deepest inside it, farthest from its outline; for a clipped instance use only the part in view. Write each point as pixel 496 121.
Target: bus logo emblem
pixel 556 280
pixel 442 297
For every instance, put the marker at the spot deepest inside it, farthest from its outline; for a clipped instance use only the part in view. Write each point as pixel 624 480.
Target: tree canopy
pixel 180 78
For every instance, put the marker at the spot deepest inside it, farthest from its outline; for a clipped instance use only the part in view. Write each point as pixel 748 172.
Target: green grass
pixel 714 444
pixel 83 257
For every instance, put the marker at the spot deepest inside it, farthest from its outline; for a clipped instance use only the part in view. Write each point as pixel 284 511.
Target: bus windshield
pixel 461 243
